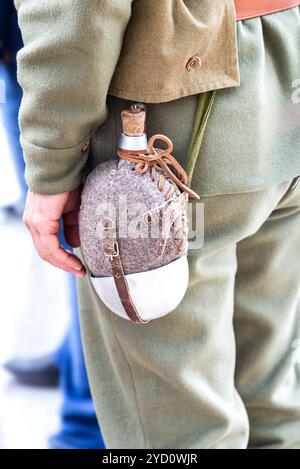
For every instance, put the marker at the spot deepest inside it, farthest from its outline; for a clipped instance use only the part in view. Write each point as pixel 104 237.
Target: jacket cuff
pixel 63 172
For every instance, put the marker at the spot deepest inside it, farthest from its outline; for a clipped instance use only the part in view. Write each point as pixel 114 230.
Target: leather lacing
pixel 157 159
pixel 159 162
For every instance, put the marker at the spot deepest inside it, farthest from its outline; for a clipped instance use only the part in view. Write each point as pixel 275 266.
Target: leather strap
pixel 246 9
pixel 111 250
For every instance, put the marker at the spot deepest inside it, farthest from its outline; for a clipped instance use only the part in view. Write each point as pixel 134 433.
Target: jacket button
pixel 194 63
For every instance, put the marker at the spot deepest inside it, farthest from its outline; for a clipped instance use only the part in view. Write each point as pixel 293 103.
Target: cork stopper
pixel 134 120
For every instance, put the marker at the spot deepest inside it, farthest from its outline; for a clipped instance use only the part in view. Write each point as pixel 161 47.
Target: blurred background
pixel 34 317
pixel 45 400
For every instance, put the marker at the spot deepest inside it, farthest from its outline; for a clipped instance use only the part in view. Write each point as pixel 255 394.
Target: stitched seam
pixel 132 379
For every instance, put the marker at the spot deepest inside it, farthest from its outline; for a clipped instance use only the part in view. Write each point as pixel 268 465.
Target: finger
pixel 48 256
pixel 67 261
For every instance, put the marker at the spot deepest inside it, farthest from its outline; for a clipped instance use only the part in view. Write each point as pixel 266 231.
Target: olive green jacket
pixel 77 52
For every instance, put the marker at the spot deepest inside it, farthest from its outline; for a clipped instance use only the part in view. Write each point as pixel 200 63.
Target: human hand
pixel 41 216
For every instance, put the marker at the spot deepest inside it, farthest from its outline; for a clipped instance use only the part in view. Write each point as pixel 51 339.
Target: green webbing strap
pixel 204 107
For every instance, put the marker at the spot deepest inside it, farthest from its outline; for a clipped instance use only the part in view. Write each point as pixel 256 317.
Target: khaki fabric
pixel 76 52
pixel 222 370
pixel 223 365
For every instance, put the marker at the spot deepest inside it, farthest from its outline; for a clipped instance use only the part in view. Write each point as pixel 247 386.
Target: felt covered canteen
pixel 133 225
